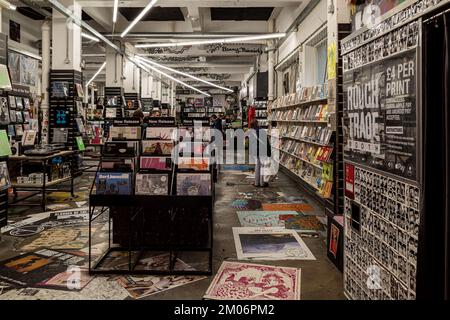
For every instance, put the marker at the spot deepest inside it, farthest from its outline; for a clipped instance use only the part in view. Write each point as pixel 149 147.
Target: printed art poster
pixel 332 64
pixel 380 115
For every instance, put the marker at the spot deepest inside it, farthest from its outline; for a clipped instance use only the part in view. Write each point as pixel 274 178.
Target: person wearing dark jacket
pixel 261 154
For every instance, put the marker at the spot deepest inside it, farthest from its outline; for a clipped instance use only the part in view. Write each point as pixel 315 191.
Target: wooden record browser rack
pixel 172 223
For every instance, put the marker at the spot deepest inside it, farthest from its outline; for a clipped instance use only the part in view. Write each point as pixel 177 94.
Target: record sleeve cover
pixel 19 130
pixel 197 164
pixel 157 147
pixel 12 102
pixel 11 130
pixel 110 113
pixel 113 183
pixel 5 182
pixel 193 184
pixel 19 103
pixel 19 117
pixel 60 89
pixel 125 133
pixel 26 103
pixel 244 281
pixel 12 116
pixel 156 163
pixel 80 91
pixel 152 184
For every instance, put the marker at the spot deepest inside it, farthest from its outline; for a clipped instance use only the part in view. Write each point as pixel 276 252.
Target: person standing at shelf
pixel 216 123
pixel 263 152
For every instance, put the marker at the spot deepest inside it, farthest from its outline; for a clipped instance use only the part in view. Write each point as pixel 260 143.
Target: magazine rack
pixel 152 223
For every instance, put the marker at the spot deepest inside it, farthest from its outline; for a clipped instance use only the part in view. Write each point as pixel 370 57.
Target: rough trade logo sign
pixel 380 115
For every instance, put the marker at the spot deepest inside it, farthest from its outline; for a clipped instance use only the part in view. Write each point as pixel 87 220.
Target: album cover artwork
pixel 334 240
pixel 19 117
pixel 244 281
pixel 193 184
pixel 80 125
pixel 152 184
pixel 11 130
pixel 125 133
pixel 156 163
pixel 73 279
pixel 19 130
pixel 12 116
pixel 110 113
pixel 26 103
pixel 5 182
pixel 61 116
pixel 270 244
pixel 12 102
pixel 80 91
pixel 26 116
pixel 113 183
pixel 119 148
pixel 29 138
pixel 161 133
pixel 197 164
pixel 4 111
pixel 60 135
pixel 157 147
pixel 60 89
pixel 19 103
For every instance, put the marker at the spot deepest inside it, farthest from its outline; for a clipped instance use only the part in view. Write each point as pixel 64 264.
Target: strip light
pixel 139 17
pixel 84 25
pixel 212 41
pixel 143 65
pixel 7 5
pixel 182 73
pixel 96 74
pixel 116 8
pixel 88 36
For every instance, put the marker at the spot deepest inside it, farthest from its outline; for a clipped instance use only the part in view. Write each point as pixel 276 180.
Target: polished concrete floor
pixel 321 280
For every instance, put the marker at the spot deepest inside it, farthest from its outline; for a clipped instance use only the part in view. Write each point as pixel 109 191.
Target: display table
pixel 17 165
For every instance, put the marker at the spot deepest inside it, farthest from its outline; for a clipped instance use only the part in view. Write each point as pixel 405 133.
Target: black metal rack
pixel 169 223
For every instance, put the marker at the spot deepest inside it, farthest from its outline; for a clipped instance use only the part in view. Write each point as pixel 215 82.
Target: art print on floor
pixel 304 223
pixel 264 218
pixel 243 281
pixel 270 244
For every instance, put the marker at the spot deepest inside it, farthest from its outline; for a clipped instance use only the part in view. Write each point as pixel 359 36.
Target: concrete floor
pixel 321 280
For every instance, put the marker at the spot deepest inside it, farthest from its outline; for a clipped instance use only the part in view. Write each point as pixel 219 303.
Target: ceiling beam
pixel 197 3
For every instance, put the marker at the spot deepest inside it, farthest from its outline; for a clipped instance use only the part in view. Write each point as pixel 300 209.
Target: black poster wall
pixel 380 115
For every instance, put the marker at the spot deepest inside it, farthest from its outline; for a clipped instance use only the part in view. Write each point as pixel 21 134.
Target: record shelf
pixel 170 223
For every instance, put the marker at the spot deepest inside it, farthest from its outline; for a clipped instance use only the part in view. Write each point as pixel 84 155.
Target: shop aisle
pixel 320 278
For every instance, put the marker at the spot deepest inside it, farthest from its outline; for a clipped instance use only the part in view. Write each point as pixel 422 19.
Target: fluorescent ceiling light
pixel 213 41
pixel 116 8
pixel 139 17
pixel 144 65
pixel 96 74
pixel 7 5
pixel 88 36
pixel 182 73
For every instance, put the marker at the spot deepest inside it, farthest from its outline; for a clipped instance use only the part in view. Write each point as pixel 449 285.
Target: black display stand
pixel 3 204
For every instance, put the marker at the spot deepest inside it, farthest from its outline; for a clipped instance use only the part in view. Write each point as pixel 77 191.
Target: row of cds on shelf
pixel 17 130
pixel 314 113
pixel 319 179
pixel 121 183
pixel 311 153
pixel 306 94
pixel 313 134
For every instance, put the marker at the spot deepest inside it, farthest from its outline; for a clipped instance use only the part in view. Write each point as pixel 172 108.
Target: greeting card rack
pixel 138 224
pixel 63 106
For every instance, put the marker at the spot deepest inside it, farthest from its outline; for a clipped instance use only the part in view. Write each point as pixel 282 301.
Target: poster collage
pixel 382 200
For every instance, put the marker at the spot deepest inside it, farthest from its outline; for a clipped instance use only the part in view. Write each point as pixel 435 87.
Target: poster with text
pixel 380 115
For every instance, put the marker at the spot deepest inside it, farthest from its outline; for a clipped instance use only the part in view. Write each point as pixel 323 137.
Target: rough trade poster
pixel 380 115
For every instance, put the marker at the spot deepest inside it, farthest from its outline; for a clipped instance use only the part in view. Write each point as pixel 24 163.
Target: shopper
pixel 216 123
pixel 263 144
pixel 138 114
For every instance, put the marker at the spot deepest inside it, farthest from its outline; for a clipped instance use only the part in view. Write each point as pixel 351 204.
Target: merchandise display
pixel 152 184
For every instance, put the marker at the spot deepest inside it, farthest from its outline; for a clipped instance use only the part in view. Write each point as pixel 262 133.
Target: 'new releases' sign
pixel 380 115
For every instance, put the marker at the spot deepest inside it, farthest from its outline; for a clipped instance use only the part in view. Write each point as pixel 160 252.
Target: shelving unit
pixel 307 141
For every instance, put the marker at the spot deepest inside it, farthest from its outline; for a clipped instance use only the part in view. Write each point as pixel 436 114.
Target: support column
pixel 92 96
pixel 114 68
pixel 45 83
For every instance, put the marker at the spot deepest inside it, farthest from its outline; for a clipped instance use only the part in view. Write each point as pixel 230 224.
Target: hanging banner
pixel 380 115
